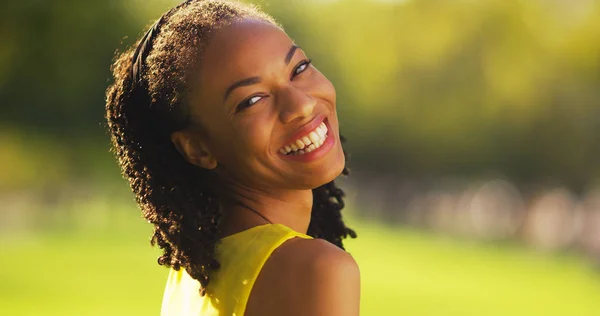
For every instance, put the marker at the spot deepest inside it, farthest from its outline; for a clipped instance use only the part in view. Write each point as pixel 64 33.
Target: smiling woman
pixel 229 138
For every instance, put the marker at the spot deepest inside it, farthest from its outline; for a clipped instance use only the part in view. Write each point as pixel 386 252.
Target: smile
pixel 305 144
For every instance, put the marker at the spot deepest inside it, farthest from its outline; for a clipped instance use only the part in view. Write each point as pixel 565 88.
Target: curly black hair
pixel 146 103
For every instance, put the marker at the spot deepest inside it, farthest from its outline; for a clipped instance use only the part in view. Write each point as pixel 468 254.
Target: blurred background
pixel 473 128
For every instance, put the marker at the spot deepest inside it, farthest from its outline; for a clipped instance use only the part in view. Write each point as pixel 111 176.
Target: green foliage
pixel 464 86
pixel 425 87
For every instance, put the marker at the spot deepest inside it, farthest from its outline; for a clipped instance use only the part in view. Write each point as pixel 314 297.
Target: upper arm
pixel 307 277
pixel 332 287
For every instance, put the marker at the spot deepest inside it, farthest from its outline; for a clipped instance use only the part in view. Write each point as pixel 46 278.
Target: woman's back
pixel 242 257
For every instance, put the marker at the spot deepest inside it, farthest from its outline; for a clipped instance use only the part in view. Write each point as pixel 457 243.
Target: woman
pixel 229 139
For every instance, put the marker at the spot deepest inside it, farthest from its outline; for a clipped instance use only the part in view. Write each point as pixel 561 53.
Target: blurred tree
pixel 425 87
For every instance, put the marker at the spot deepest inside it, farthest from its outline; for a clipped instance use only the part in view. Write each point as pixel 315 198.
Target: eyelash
pixel 244 104
pixel 306 63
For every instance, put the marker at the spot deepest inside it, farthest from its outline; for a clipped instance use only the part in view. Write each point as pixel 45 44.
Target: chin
pixel 327 172
pixel 335 170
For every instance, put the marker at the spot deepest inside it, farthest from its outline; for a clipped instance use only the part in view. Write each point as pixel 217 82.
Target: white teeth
pixel 308 143
pixel 306 140
pixel 320 132
pixel 314 138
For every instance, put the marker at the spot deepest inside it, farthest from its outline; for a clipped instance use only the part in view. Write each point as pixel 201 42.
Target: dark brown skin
pixel 302 277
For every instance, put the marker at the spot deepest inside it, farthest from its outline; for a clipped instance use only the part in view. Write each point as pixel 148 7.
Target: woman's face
pixel 258 97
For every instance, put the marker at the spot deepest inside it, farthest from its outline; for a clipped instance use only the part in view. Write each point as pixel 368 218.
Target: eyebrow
pixel 290 54
pixel 255 80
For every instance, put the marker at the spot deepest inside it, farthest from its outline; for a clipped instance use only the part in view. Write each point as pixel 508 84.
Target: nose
pixel 295 103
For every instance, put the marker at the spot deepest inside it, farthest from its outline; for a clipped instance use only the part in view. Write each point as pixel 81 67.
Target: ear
pixel 193 148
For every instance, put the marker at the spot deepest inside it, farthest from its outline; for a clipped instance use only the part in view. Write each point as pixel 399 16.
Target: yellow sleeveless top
pixel 242 256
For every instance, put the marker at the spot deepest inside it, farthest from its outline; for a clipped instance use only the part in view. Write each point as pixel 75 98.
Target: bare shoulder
pixel 317 255
pixel 307 277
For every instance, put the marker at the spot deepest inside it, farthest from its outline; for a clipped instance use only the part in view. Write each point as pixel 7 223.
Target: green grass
pixel 407 272
pixel 97 271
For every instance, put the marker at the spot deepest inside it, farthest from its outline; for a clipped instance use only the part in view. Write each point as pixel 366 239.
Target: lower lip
pixel 317 153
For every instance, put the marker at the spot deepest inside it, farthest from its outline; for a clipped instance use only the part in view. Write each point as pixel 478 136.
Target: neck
pixel 245 207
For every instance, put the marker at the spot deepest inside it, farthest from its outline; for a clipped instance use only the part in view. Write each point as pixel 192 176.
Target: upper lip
pixel 305 129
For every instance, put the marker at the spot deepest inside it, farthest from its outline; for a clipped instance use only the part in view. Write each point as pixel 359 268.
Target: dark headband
pixel 145 46
pixel 142 51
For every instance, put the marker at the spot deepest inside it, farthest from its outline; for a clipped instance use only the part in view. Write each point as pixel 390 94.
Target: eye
pixel 301 67
pixel 248 102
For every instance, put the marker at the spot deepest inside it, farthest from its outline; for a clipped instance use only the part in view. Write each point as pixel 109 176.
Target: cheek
pixel 323 88
pixel 255 141
pixel 248 157
pixel 251 140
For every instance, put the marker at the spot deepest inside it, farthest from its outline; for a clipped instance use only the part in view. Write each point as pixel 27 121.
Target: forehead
pixel 244 48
